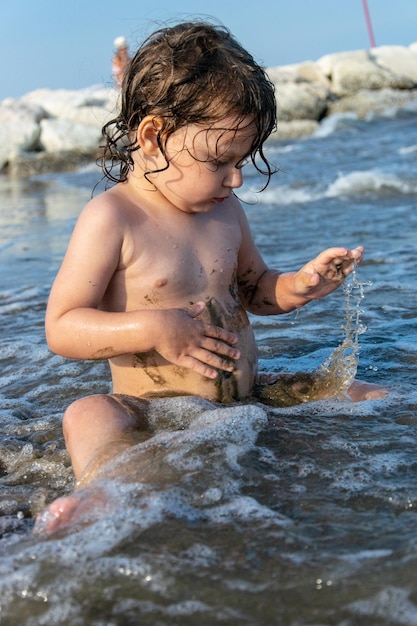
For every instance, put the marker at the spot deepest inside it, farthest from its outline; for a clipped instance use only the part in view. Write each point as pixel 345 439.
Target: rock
pixel 368 101
pixel 350 72
pixel 399 61
pixel 54 128
pixel 358 81
pixel 300 101
pixel 302 91
pixel 93 105
pixel 75 118
pixel 60 135
pixel 308 71
pixel 64 123
pixel 19 129
pixel 294 129
pixel 32 163
pixel 351 76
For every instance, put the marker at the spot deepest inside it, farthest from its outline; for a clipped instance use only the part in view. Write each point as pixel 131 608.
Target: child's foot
pixel 291 389
pixel 71 512
pixel 359 391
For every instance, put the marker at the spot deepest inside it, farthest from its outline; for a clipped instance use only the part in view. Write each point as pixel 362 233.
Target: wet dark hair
pixel 191 73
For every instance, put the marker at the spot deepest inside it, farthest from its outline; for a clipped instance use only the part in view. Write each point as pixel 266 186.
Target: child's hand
pixel 195 345
pixel 326 272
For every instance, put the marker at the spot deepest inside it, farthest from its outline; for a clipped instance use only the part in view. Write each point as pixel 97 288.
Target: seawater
pixel 243 514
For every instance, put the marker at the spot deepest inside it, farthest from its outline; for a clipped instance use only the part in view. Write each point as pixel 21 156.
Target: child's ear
pixel 147 135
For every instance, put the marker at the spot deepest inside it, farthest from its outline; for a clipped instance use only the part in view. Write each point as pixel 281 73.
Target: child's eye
pixel 219 163
pixel 242 163
pixel 214 164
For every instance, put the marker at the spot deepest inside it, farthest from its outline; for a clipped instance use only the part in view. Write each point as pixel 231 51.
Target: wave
pixel 355 183
pixel 350 121
pixel 272 148
pixel 408 149
pixel 335 123
pixel 368 182
pixel 280 195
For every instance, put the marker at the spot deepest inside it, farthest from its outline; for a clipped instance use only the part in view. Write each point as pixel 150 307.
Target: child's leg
pixel 360 390
pixel 290 389
pixel 96 430
pixel 98 427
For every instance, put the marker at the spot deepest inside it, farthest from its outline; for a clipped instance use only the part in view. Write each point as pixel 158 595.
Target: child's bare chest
pixel 173 266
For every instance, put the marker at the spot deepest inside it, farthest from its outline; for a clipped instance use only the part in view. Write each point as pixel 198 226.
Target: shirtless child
pixel 161 269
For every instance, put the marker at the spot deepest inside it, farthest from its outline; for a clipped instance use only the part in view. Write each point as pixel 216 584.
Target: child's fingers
pixel 220 348
pixel 216 332
pixel 206 363
pixel 338 256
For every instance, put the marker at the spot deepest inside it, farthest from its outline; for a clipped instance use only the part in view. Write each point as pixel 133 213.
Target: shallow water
pixel 238 515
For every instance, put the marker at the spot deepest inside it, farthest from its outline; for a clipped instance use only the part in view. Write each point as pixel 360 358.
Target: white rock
pixel 363 80
pixel 299 101
pixel 19 129
pixel 282 74
pixel 351 76
pixel 367 101
pixel 89 115
pixel 327 62
pixel 308 71
pixel 398 60
pixel 349 72
pixel 58 135
pixel 93 105
pixel 295 129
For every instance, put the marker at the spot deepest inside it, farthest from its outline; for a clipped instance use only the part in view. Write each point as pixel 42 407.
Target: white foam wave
pixel 282 149
pixel 410 107
pixel 279 195
pixel 393 605
pixel 333 123
pixel 408 149
pixel 353 183
pixel 368 181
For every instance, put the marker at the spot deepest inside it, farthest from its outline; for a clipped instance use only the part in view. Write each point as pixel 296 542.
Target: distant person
pixel 120 60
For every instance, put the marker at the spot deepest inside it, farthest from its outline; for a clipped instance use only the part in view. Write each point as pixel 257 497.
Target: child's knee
pixel 71 416
pixel 78 414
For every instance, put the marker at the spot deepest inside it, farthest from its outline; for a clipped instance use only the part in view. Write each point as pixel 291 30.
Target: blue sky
pixel 68 43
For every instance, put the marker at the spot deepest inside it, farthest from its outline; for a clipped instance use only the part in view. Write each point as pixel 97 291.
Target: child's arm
pixel 277 292
pixel 76 327
pixel 264 291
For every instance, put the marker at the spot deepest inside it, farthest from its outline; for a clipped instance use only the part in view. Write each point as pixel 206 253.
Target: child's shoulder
pixel 106 212
pixel 110 204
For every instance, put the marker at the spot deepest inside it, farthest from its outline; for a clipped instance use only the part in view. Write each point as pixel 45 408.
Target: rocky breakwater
pixel 53 130
pixel 59 129
pixel 361 82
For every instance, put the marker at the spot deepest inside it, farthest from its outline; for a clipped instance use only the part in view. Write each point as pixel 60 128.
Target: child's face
pixel 205 165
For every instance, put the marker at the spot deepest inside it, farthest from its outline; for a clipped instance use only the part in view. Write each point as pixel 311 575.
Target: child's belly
pixel 148 374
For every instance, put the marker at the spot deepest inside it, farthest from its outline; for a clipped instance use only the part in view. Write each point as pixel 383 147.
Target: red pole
pixel 369 24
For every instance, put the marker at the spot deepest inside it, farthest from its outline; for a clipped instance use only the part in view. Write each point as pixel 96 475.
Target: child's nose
pixel 234 178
